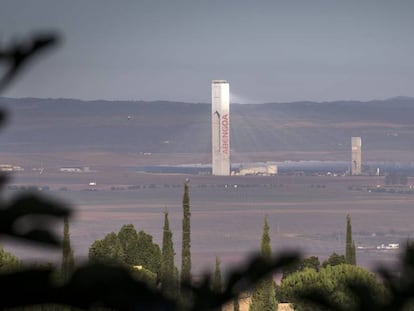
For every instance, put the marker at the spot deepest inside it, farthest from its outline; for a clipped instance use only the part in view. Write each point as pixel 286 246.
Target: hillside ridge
pixel 42 125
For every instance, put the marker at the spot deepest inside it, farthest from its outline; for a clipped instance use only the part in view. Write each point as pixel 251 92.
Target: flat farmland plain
pixel 305 213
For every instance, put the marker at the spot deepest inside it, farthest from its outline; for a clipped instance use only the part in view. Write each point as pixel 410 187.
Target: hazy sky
pixel 268 50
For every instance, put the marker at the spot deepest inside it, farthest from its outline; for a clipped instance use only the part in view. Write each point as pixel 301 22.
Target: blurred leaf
pixel 33 286
pixel 18 55
pixel 3 180
pixel 30 217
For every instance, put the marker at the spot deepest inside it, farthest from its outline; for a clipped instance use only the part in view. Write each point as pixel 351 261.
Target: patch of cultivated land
pixel 307 213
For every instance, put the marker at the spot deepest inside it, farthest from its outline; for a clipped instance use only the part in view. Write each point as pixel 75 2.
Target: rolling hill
pixel 68 125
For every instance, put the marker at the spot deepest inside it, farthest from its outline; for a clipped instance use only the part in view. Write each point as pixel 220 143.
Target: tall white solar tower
pixel 220 122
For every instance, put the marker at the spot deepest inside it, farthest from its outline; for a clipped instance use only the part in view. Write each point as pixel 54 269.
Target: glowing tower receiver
pixel 356 155
pixel 220 122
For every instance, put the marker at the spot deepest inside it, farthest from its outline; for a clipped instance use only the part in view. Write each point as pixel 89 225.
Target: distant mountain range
pixel 175 127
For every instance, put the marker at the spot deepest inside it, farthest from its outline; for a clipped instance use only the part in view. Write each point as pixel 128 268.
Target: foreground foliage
pixel 331 282
pixel 128 247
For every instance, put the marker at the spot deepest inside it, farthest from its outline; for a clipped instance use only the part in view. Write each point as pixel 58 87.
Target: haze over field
pixel 288 131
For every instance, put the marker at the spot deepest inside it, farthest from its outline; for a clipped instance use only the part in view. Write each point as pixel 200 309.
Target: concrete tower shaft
pixel 220 125
pixel 356 150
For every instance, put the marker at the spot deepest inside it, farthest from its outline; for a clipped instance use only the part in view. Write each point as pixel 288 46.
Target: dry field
pixel 305 213
pixel 116 160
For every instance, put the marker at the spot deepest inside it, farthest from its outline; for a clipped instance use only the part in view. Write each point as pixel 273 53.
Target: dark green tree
pixel 333 260
pixel 107 250
pixel 139 248
pixel 264 295
pixel 149 253
pixel 128 237
pixel 353 253
pixel 186 242
pixel 168 276
pixel 68 260
pixel 217 285
pixel 350 256
pixel 127 247
pixel 331 283
pixel 309 262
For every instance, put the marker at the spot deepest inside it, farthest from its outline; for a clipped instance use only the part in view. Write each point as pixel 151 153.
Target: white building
pixel 263 170
pixel 220 104
pixel 71 169
pixel 10 168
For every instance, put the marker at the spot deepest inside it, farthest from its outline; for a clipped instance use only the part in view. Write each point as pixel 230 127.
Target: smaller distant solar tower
pixel 356 145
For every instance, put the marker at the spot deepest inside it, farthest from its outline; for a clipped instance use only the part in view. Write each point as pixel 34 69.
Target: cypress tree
pixel 264 295
pixel 149 253
pixel 217 285
pixel 68 260
pixel 353 253
pixel 167 274
pixel 128 237
pixel 186 243
pixel 350 256
pixel 108 250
